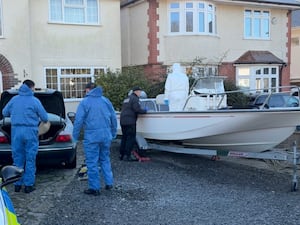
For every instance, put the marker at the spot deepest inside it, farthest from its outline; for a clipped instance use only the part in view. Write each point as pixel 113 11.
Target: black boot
pixel 18 188
pixel 92 192
pixel 29 189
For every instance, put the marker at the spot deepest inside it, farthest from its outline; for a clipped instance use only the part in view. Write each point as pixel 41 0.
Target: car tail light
pixel 63 138
pixel 3 139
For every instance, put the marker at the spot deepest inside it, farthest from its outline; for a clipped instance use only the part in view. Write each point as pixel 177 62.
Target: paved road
pixel 171 189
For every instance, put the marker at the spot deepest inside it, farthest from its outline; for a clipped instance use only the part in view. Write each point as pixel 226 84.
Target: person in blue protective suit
pixel 130 109
pixel 96 115
pixel 176 89
pixel 25 112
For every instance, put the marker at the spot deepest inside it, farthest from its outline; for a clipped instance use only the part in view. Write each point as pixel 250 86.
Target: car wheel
pixel 72 164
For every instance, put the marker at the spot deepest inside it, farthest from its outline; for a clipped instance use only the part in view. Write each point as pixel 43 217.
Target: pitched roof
pixel 276 2
pixel 257 57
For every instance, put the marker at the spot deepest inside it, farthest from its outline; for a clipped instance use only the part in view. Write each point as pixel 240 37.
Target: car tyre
pixel 72 164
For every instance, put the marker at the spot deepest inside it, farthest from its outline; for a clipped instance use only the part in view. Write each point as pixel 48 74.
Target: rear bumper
pixel 45 156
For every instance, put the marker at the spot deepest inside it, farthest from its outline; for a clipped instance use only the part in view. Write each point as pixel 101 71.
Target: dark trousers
pixel 128 139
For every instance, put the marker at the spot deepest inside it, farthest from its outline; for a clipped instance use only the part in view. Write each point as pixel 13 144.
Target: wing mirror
pixel 71 116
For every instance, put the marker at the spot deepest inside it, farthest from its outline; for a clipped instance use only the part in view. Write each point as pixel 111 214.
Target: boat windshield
pixel 209 85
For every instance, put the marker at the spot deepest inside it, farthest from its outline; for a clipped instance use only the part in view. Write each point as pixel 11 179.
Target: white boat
pixel 207 122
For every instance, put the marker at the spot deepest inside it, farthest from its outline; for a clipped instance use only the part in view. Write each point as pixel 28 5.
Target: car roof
pixel 51 99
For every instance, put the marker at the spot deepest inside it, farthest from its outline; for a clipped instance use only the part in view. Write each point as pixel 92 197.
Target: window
pixel 257 24
pixel 74 11
pixel 1 26
pixel 191 17
pixel 71 81
pixel 258 77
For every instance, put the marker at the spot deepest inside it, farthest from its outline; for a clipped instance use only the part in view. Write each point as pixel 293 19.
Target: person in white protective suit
pixel 176 89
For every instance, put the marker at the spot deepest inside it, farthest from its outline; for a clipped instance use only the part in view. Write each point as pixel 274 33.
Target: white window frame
pixel 60 76
pixel 63 6
pixel 263 80
pixel 1 20
pixel 263 20
pixel 209 11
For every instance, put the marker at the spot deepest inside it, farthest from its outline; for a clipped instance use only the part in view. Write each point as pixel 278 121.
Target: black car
pixel 56 146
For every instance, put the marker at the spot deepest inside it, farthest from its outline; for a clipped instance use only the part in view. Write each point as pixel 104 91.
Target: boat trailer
pixel 273 154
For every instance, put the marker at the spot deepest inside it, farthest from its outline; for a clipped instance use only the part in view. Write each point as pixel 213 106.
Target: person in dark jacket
pixel 96 115
pixel 129 113
pixel 25 112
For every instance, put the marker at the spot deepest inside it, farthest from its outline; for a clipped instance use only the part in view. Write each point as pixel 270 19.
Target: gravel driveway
pixel 177 189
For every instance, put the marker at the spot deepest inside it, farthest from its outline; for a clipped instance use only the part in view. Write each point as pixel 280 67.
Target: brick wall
pixel 9 78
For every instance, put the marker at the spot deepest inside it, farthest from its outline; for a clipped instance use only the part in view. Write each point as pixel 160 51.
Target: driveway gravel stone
pixel 171 189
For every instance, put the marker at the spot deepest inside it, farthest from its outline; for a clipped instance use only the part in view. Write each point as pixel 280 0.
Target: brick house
pixel 247 41
pixel 295 48
pixel 60 44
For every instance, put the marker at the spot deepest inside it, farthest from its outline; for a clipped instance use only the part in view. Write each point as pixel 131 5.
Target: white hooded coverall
pixel 176 88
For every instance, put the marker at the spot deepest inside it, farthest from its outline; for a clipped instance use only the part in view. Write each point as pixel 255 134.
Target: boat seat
pixel 161 103
pixel 160 99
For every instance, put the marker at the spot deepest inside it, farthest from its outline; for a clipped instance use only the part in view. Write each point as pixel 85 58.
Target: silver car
pixel 56 146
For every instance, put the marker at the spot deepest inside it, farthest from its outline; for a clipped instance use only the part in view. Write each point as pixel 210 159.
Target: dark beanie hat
pixel 90 85
pixel 136 88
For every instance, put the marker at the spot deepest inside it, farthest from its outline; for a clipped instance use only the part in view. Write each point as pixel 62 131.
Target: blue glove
pixel 146 108
pixel 166 101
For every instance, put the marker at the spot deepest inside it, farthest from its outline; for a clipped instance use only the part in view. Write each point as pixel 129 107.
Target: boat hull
pixel 230 130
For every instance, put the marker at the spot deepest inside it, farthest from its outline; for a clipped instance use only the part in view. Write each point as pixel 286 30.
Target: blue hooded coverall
pixel 97 116
pixel 25 112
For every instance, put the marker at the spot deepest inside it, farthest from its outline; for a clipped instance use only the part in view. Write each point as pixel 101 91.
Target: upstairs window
pixel 256 24
pixel 74 11
pixel 191 17
pixel 1 26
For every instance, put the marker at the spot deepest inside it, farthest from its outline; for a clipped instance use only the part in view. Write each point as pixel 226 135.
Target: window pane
pixel 258 83
pixel 244 71
pixel 248 27
pixel 74 2
pixel 201 22
pixel 174 5
pixel 210 23
pixel 74 15
pixel 74 87
pixel 201 5
pixel 189 5
pixel 55 10
pixel 189 22
pixel 244 83
pixel 265 28
pixel 92 11
pixel 273 82
pixel 256 30
pixel 174 22
pixel 266 83
pixel 51 78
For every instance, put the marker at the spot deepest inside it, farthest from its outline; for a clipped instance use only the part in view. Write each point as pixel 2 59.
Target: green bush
pixel 237 99
pixel 116 85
